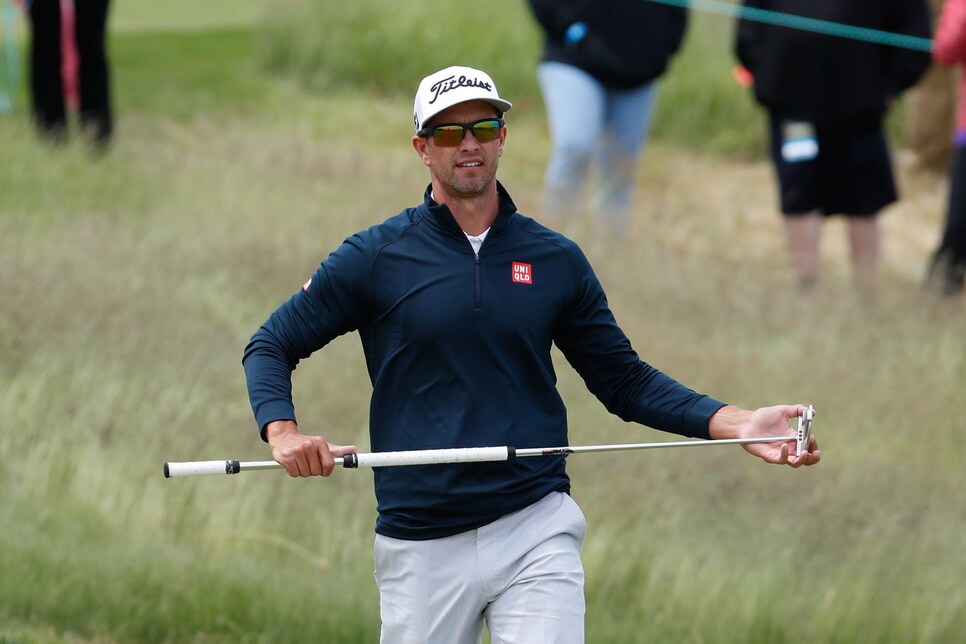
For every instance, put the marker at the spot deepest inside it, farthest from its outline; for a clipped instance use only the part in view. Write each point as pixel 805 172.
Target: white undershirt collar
pixel 475 240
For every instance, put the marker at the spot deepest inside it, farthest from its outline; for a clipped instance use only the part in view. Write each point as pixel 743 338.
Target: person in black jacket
pixel 458 302
pixel 947 267
pixel 598 75
pixel 46 87
pixel 826 97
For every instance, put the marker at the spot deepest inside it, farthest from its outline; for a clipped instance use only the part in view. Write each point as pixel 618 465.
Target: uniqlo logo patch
pixel 522 273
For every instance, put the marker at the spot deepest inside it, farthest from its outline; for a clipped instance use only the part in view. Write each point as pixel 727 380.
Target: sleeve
pixel 628 387
pixel 331 303
pixel 912 18
pixel 555 16
pixel 949 44
pixel 748 38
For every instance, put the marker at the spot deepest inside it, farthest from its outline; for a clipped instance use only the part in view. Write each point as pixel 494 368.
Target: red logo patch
pixel 522 273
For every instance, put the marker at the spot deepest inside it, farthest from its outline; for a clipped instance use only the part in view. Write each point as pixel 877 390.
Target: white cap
pixel 451 86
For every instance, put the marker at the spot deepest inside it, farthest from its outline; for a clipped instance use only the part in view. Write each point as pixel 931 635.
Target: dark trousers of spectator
pixel 47 89
pixel 948 267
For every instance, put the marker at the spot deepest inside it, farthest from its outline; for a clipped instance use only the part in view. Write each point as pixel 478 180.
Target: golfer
pixel 458 301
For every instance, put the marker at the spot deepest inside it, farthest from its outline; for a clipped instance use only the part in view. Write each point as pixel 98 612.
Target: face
pixel 468 169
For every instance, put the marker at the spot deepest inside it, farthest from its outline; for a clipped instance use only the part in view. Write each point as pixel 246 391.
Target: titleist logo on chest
pixel 452 82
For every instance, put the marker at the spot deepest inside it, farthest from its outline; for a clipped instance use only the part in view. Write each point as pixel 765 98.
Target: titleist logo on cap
pixel 452 86
pixel 452 82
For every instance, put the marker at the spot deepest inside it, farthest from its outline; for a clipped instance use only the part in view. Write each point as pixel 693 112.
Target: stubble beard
pixel 471 187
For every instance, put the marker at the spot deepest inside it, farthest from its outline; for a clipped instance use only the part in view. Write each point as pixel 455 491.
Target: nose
pixel 469 142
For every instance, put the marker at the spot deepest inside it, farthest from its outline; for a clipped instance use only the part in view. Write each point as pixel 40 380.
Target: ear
pixel 421 146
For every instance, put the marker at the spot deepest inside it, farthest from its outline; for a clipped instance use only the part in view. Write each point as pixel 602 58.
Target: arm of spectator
pixel 556 16
pixel 949 44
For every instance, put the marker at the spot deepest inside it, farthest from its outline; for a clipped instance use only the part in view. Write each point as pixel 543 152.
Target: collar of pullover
pixel 440 216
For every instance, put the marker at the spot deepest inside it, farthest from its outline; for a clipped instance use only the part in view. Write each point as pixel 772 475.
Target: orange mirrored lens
pixel 449 135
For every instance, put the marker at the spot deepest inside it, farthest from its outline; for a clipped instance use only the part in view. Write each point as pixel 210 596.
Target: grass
pixel 129 286
pixel 385 48
pixel 697 94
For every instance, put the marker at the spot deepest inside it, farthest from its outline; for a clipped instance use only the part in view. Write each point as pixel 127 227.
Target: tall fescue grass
pixel 130 284
pixel 386 47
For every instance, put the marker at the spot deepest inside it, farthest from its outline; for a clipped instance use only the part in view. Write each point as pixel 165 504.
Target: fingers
pixel 301 456
pixel 304 456
pixel 341 450
pixel 783 454
pixel 811 456
pixel 333 451
pixel 794 411
pixel 315 459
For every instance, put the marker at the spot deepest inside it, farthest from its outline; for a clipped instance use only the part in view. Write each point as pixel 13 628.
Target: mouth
pixel 470 164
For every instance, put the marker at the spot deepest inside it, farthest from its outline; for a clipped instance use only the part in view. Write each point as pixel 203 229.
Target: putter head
pixel 804 431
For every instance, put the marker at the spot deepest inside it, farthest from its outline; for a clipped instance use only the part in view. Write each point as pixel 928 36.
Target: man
pixel 929 108
pixel 826 98
pixel 599 75
pixel 458 302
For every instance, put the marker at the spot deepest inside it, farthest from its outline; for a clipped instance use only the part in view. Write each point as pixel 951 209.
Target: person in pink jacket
pixel 948 265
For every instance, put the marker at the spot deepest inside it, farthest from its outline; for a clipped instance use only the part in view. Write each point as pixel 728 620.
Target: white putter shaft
pixel 479 454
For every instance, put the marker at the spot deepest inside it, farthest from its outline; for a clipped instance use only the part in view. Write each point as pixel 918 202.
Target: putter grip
pixel 428 457
pixel 195 468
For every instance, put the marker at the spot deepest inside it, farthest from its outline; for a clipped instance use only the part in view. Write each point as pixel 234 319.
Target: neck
pixel 474 213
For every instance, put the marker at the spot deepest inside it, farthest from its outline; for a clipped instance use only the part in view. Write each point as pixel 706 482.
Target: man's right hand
pixel 302 455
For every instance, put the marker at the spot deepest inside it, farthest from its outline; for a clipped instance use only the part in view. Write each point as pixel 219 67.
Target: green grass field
pixel 130 284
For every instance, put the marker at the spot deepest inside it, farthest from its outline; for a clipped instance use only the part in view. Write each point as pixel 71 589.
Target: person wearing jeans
pixel 605 129
pixel 598 75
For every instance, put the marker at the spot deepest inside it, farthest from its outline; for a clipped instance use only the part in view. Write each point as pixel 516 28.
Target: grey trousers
pixel 520 575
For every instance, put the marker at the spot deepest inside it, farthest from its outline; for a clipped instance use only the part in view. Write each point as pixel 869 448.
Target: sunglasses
pixel 450 135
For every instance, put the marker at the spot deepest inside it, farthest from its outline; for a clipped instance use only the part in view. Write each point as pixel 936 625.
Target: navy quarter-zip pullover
pixel 458 350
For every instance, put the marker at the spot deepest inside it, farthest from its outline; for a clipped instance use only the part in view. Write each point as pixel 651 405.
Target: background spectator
pixel 598 77
pixel 949 261
pixel 826 97
pixel 46 82
pixel 930 114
